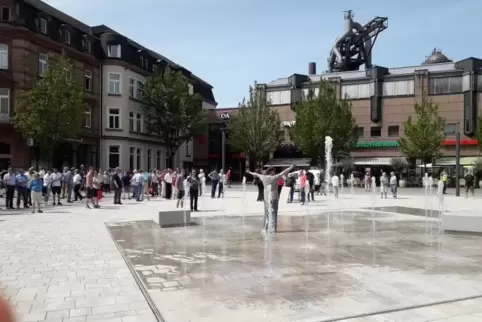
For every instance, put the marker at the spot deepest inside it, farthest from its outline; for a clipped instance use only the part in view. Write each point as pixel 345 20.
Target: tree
pixel 254 128
pixel 171 112
pixel 324 115
pixel 54 109
pixel 423 136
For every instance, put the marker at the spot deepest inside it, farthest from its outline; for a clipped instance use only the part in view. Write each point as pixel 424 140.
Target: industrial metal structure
pixel 354 48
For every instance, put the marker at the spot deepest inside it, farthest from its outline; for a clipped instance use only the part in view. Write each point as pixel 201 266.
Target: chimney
pixel 312 68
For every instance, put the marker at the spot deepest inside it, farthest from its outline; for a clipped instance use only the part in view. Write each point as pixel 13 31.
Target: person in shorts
pixel 56 185
pixel 89 185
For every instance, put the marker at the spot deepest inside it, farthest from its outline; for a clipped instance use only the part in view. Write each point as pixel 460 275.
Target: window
pixel 88 80
pixel 190 89
pixel 114 156
pixel 149 159
pixel 131 158
pixel 131 121
pixel 393 130
pixel 88 45
pixel 445 85
pixel 42 64
pixel 450 129
pixel 114 118
pixel 132 87
pixel 158 159
pixel 139 90
pixel 356 91
pixel 146 63
pixel 114 84
pixel 43 25
pixel 114 51
pixel 3 56
pixel 360 131
pixel 138 122
pixel 4 13
pixel 88 117
pixel 376 131
pixel 399 88
pixel 138 159
pixel 67 36
pixel 4 101
pixel 142 61
pixel 154 67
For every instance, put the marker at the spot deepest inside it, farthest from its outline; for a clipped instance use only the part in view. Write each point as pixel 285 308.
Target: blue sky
pixel 232 43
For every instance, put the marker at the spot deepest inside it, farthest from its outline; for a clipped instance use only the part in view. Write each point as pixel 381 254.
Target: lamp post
pixel 457 161
pixel 223 148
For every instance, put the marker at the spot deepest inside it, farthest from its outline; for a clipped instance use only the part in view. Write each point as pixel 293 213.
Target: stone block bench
pixel 466 221
pixel 174 218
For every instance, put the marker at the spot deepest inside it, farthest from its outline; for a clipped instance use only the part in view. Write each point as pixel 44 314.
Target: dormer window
pixel 154 67
pixel 87 44
pixel 67 36
pixel 4 14
pixel 114 51
pixel 42 25
pixel 142 61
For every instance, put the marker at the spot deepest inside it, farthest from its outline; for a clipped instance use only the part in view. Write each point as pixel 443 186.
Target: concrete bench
pixel 470 222
pixel 174 218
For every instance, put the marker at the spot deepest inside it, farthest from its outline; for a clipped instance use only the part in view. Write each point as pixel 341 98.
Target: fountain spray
pixel 328 160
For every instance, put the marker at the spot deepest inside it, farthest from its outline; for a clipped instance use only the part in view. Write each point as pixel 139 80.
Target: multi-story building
pixel 383 98
pixel 125 139
pixel 29 30
pixel 112 69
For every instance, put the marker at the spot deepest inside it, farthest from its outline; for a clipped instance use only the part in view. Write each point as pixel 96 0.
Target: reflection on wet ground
pixel 325 266
pixel 408 211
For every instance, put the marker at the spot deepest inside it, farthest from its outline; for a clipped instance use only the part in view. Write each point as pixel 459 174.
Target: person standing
pixel 168 183
pixel 117 182
pixel 181 192
pixel 311 181
pixel 47 188
pixel 290 183
pixel 384 185
pixel 56 184
pixel 126 183
pixel 303 181
pixel 29 175
pixel 194 185
pixel 214 176
pixel 68 182
pixel 98 179
pixel 146 184
pixel 89 186
pixel 444 177
pixel 10 182
pixel 281 182
pixel 228 177
pixel 202 179
pixel 222 182
pixel 22 181
pixel 335 182
pixel 469 184
pixel 393 184
pixel 35 186
pixel 77 185
pixel 270 183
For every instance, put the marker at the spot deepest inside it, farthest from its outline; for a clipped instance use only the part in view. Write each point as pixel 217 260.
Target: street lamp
pixel 224 129
pixel 457 161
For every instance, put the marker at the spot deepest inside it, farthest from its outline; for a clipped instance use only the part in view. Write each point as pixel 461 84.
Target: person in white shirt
pixel 56 184
pixel 168 182
pixel 202 179
pixel 335 182
pixel 77 185
pixel 47 186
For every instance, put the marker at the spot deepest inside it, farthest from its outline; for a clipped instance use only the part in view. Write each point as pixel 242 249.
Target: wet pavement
pixel 322 267
pixel 407 211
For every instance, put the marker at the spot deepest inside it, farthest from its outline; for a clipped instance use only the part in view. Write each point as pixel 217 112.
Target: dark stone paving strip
pixel 154 309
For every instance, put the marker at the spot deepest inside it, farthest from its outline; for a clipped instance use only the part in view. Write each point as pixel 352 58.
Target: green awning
pixel 376 144
pixel 450 161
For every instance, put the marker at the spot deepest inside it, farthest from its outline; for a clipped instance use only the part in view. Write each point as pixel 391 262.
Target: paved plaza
pixel 357 258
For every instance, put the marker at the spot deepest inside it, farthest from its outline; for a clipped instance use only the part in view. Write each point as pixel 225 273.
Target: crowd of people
pixel 36 189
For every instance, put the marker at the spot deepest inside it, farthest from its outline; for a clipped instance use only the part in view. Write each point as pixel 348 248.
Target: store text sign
pixel 224 116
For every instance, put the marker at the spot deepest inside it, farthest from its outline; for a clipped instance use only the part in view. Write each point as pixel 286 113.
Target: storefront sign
pixel 462 142
pixel 225 116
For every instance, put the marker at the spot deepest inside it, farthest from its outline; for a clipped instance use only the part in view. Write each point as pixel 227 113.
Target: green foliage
pixel 170 111
pixel 324 115
pixel 254 128
pixel 423 136
pixel 399 164
pixel 54 109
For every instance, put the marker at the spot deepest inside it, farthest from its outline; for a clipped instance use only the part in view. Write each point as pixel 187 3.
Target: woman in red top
pixel 281 182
